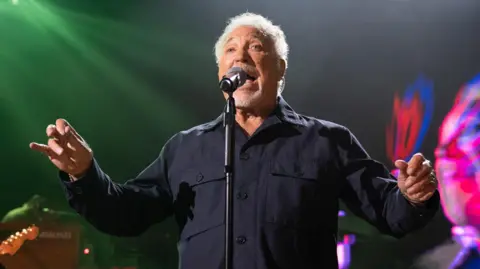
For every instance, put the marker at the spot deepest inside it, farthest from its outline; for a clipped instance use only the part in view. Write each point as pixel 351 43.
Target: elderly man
pixel 291 171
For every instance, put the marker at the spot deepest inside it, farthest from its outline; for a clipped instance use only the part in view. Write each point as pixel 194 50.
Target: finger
pixel 401 165
pixel 65 163
pixel 40 148
pixel 72 130
pixel 61 124
pixel 52 131
pixel 420 187
pixel 426 196
pixel 45 150
pixel 410 181
pixel 74 142
pixel 419 198
pixel 422 196
pixel 53 145
pixel 425 170
pixel 415 164
pixel 60 161
pixel 413 180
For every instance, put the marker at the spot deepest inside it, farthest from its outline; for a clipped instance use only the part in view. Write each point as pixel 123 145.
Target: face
pixel 248 48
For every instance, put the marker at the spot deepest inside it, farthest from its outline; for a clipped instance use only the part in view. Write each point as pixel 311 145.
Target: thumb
pixel 402 167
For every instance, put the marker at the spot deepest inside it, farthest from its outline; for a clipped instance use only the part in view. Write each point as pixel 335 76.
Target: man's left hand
pixel 416 179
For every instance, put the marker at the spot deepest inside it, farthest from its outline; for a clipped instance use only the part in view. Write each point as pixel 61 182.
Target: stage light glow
pixel 411 117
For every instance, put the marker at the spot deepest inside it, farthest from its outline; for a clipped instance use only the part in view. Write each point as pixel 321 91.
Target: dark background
pixel 130 74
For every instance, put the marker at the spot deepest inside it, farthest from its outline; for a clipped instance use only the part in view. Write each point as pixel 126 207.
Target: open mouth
pixel 251 78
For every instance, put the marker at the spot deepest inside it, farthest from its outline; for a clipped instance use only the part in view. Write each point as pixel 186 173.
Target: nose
pixel 241 56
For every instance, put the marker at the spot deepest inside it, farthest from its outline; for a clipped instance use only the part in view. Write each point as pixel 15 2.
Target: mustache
pixel 250 70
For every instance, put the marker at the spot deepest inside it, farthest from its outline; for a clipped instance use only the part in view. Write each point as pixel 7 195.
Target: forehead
pixel 247 33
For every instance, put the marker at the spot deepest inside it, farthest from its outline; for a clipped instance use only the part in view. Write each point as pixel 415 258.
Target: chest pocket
pixel 300 194
pixel 200 201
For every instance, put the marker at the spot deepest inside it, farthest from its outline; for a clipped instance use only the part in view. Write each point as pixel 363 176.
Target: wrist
pixel 76 177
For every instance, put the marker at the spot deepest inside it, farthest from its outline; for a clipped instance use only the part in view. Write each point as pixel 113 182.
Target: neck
pixel 251 119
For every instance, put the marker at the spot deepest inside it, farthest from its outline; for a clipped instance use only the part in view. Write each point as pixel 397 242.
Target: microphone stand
pixel 228 124
pixel 228 85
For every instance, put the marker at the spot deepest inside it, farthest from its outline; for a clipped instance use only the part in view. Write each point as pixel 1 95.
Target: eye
pixel 256 47
pixel 231 49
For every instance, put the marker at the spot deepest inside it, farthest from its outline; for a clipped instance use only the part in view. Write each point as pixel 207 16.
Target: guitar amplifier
pixel 56 247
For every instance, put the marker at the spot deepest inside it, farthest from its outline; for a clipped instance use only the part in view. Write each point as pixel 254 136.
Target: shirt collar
pixel 283 112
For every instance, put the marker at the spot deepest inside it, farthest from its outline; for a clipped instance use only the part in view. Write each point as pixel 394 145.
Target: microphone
pixel 234 78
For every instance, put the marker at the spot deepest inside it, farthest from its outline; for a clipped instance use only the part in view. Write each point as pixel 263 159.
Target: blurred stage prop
pixel 55 247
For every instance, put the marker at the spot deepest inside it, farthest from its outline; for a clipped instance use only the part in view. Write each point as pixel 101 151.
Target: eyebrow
pixel 256 36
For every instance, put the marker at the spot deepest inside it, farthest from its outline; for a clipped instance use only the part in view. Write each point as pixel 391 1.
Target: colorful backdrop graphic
pixel 411 117
pixel 460 120
pixel 459 140
pixel 457 161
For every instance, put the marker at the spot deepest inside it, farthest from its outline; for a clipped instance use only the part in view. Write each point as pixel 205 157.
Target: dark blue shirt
pixel 289 177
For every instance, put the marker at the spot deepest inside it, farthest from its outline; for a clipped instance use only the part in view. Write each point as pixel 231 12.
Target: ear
pixel 282 67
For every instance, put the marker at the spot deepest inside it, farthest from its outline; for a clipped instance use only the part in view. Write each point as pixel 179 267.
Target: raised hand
pixel 66 149
pixel 416 179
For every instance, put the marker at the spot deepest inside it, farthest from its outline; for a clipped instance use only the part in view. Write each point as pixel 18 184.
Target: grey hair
pixel 274 32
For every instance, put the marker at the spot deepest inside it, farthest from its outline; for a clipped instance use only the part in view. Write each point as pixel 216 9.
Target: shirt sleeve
pixel 122 209
pixel 371 192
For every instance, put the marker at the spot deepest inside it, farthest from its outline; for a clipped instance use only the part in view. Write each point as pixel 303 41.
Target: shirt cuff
pixel 88 182
pixel 427 209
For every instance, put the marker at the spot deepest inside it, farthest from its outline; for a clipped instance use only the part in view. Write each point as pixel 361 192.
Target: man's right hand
pixel 66 149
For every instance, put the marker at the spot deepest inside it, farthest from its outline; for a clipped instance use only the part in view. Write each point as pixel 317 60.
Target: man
pixel 458 164
pixel 290 171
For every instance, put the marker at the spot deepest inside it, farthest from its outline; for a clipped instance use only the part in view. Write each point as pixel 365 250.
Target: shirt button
pixel 244 156
pixel 241 240
pixel 242 195
pixel 199 177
